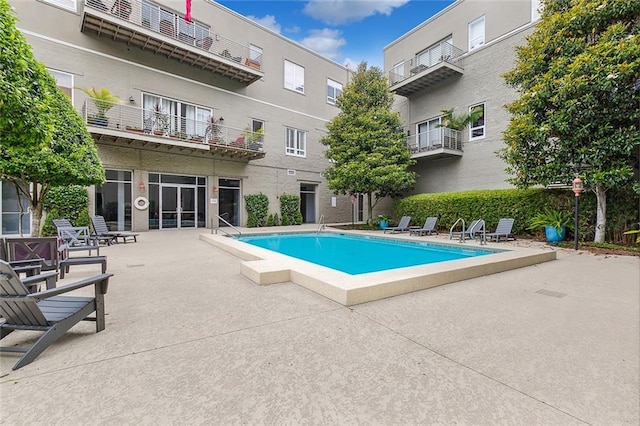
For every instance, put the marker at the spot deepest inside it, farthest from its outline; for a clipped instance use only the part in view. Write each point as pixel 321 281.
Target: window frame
pixel 482 119
pixel 472 45
pixel 290 83
pixel 294 148
pixel 57 75
pixel 331 100
pixel 64 4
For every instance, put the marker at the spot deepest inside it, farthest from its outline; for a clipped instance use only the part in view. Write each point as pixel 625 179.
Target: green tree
pixel 578 112
pixel 365 144
pixel 48 145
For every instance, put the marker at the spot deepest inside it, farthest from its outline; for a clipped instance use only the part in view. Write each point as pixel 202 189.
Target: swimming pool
pixel 265 267
pixel 359 254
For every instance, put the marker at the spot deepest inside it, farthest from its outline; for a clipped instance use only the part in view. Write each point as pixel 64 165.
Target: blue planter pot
pixel 553 236
pixel 383 224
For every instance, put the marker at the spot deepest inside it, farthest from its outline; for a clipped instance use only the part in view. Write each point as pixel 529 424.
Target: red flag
pixel 187 16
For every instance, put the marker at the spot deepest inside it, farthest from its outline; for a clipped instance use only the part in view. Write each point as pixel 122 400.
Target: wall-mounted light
pixel 141 186
pixel 221 119
pixel 215 188
pixel 131 100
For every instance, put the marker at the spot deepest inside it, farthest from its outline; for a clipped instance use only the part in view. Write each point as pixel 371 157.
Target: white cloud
pixel 338 12
pixel 268 21
pixel 292 30
pixel 325 42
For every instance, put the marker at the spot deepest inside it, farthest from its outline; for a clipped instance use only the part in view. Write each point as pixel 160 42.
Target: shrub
pixel 290 206
pixel 257 205
pixel 270 220
pixel 68 202
pixel 276 220
pixel 252 221
pixel 285 219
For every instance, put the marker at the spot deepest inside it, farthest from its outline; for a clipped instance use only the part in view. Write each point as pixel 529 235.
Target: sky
pixel 345 31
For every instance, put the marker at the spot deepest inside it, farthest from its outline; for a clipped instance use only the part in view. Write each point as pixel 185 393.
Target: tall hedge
pixel 257 206
pixel 522 205
pixel 68 202
pixel 290 208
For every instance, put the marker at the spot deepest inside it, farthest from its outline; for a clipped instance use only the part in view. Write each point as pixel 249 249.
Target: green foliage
pixel 520 204
pixel 364 141
pixel 634 232
pixel 276 220
pixel 68 202
pixel 55 148
pixel 25 112
pixel 285 219
pixel 579 105
pixel 551 217
pixel 258 206
pixel 270 220
pixel 49 228
pixel 459 122
pixel 102 98
pixel 290 207
pixel 252 220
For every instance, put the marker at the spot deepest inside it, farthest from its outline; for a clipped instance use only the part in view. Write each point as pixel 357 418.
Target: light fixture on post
pixel 577 189
pixel 141 187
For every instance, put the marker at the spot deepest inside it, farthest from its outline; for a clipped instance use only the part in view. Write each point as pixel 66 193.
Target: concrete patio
pixel 189 340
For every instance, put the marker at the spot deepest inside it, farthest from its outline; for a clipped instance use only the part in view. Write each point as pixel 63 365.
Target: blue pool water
pixel 359 254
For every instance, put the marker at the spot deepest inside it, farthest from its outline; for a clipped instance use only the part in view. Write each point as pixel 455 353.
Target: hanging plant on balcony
pixel 459 122
pixel 103 100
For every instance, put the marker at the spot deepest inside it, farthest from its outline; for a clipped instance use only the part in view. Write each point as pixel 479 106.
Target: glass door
pixel 187 211
pixel 169 207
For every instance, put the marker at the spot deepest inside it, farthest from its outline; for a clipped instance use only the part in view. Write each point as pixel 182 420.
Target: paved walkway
pixel 191 341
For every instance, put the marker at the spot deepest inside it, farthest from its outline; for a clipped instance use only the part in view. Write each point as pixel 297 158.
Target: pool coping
pixel 265 267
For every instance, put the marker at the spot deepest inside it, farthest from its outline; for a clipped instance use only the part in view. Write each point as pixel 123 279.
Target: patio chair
pixel 403 225
pixel 46 311
pixel 428 228
pixel 102 230
pixel 41 249
pixel 503 230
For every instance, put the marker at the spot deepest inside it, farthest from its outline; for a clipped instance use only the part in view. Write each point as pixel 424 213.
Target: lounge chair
pixel 428 228
pixel 403 225
pixel 46 311
pixel 102 231
pixel 503 230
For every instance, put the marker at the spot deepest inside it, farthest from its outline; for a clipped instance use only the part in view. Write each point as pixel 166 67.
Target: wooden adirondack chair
pixel 46 311
pixel 102 230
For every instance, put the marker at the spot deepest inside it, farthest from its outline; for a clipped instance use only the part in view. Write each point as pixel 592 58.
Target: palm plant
pixel 102 98
pixel 459 122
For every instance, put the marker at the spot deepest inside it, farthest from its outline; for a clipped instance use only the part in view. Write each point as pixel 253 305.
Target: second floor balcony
pixel 437 143
pixel 155 28
pixel 430 67
pixel 125 125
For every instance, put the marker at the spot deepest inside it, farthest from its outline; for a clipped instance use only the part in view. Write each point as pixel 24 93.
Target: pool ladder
pixel 220 218
pixel 480 226
pixel 321 225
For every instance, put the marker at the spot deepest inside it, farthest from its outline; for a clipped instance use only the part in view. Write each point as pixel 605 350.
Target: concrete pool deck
pixel 264 266
pixel 190 340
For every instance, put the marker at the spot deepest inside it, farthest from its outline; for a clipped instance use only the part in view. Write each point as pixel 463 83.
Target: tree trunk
pixel 601 214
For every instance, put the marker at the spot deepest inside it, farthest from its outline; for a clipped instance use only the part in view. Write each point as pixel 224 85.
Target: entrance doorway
pixel 176 202
pixel 308 202
pixel 229 201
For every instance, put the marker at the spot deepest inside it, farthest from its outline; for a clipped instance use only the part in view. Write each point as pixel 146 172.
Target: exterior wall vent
pixel 291 172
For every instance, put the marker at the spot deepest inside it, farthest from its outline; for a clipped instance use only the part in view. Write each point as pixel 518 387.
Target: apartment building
pixel 211 110
pixel 455 60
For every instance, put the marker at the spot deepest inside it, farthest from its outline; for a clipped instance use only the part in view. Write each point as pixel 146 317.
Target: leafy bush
pixel 554 218
pixel 66 202
pixel 270 220
pixel 290 206
pixel 252 221
pixel 285 219
pixel 258 206
pixel 276 220
pixel 522 205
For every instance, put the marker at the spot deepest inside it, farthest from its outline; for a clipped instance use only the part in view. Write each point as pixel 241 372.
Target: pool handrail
pixel 453 227
pixel 228 224
pixel 321 224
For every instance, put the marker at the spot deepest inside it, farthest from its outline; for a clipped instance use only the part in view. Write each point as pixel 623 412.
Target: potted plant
pixel 161 121
pixel 103 100
pixel 555 224
pixel 253 139
pixel 383 221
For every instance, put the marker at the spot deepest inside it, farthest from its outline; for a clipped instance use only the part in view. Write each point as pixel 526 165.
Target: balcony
pixel 437 143
pixel 436 64
pixel 155 28
pixel 123 125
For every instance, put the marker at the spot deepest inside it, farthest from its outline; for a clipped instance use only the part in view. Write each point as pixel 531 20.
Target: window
pixel 477 128
pixel 64 81
pixel 428 135
pixel 398 72
pixel 113 200
pixel 334 89
pixel 66 4
pixel 257 127
pixel 296 142
pixel 437 53
pixel 476 33
pixel 168 116
pixel 255 53
pixel 293 76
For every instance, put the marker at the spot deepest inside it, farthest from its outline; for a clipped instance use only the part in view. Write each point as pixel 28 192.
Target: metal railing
pixel 453 227
pixel 321 224
pixel 163 20
pixel 159 124
pixel 422 62
pixel 220 218
pixel 442 137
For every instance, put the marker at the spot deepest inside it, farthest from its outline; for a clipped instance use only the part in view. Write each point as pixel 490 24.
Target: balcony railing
pixel 429 67
pixel 166 127
pixel 135 22
pixel 435 141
